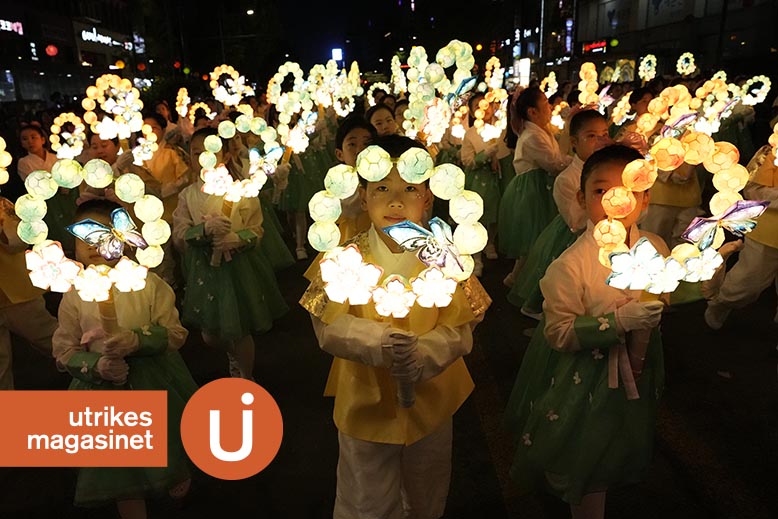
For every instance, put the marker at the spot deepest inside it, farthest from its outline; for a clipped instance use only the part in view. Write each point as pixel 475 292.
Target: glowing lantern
pixel 466 208
pixel 723 200
pixel 609 233
pixel 324 207
pixel 129 188
pixel 618 202
pixel 393 298
pixel 698 146
pixel 324 236
pixel 447 181
pixel 470 238
pixel 725 156
pixel 732 179
pixel 668 153
pixel 639 175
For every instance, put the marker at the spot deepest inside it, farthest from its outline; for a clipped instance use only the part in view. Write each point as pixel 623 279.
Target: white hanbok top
pixel 537 148
pixel 31 162
pixel 566 187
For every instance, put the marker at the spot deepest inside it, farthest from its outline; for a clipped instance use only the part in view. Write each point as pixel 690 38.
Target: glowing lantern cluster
pixel 549 85
pixel 773 141
pixel 399 83
pixel 751 96
pixel 647 68
pixel 685 65
pixel 67 144
pixel 231 90
pixel 147 146
pixel 182 102
pixel 621 112
pixel 376 86
pixel 414 166
pixel 193 111
pixel 5 161
pixel 588 84
pixel 668 153
pixel 118 98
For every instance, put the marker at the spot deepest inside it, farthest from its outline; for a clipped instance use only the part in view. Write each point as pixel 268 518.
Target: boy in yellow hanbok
pixel 394 461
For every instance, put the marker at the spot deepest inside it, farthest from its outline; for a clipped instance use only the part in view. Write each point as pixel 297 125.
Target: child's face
pixel 393 200
pixel 592 137
pixel 541 114
pixel 103 149
pixel 383 122
pixel 88 254
pixel 603 178
pixel 31 141
pixel 356 140
pixel 156 128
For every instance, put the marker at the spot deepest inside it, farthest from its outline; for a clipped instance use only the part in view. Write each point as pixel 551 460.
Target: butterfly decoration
pixel 605 99
pixel 435 247
pixel 677 127
pixel 464 87
pixel 738 219
pixel 109 240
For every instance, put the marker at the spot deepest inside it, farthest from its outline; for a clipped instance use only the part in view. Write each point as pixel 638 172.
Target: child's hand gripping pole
pixel 638 346
pixel 217 253
pixel 406 391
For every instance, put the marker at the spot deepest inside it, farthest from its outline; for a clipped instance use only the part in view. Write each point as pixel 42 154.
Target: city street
pixel 715 455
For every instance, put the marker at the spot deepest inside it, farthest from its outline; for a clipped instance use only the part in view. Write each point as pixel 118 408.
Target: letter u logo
pixel 247 442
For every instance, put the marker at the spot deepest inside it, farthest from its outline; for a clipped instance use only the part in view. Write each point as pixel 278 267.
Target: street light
pixel 250 12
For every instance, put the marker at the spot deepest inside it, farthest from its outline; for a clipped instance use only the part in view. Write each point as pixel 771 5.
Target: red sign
pixel 595 46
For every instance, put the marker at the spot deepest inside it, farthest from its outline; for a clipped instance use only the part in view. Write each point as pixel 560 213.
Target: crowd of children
pixel 578 433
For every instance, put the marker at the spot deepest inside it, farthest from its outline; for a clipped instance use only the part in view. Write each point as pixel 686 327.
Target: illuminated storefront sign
pixel 91 35
pixel 595 47
pixel 9 26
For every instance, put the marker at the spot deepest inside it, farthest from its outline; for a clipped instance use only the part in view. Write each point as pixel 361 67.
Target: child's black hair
pixel 159 118
pixel 383 99
pixel 394 145
pixel 349 124
pixel 638 94
pixel 528 98
pixel 572 97
pixel 399 103
pixel 615 153
pixel 583 117
pixel 99 206
pixel 374 109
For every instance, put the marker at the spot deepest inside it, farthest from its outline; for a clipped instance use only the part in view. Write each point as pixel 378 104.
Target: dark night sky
pixel 307 30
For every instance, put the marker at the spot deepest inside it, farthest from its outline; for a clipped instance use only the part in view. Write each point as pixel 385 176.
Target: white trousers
pixel 755 270
pixel 668 221
pixel 29 320
pixel 386 481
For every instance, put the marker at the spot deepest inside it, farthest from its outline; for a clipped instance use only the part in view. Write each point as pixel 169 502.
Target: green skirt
pixel 233 300
pixel 272 244
pixel 576 435
pixel 484 181
pixel 303 183
pixel 506 173
pixel 526 208
pixel 553 241
pixel 97 486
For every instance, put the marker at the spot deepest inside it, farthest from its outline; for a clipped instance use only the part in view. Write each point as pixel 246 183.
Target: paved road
pixel 715 454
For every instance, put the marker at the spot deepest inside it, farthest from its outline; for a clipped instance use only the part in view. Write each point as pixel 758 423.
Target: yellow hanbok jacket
pixel 365 396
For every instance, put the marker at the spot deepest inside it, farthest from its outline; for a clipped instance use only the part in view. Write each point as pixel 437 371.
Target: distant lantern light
pixel 177 64
pixel 204 77
pixel 187 70
pixel 614 42
pixel 52 50
pixel 141 66
pixel 119 64
pixel 479 47
pixel 250 12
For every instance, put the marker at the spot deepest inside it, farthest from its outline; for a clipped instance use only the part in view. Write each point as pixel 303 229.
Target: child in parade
pixel 354 135
pixel 482 169
pixel 394 461
pixel 582 432
pixel 62 205
pixel 139 352
pixel 527 206
pixel 382 118
pixel 22 308
pixel 588 133
pixel 230 301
